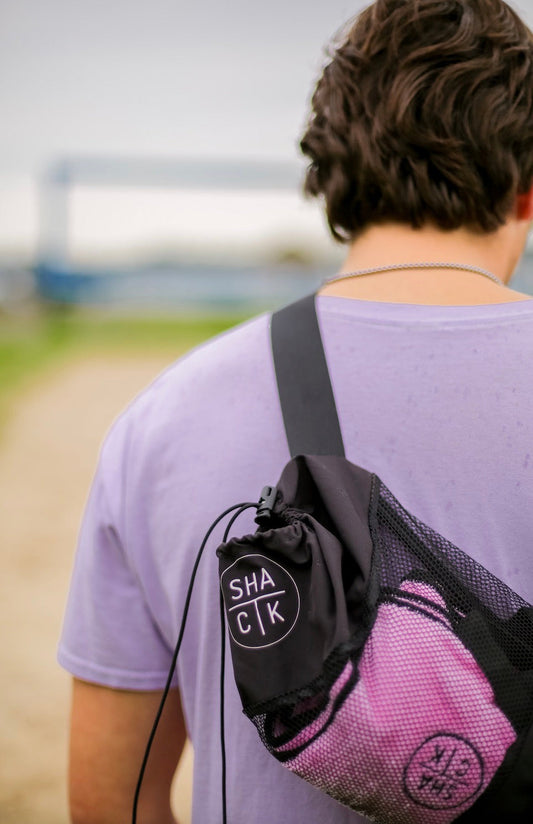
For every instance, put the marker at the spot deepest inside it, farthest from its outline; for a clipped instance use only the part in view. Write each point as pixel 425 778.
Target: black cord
pixel 241 507
pixel 222 717
pixel 234 517
pixel 223 670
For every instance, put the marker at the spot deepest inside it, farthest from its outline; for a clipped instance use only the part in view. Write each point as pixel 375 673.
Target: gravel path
pixel 48 452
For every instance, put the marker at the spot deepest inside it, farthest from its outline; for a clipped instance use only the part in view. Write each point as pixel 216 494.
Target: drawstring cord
pixel 223 669
pixel 240 508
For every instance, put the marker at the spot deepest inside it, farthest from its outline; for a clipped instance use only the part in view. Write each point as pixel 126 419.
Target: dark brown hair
pixel 424 114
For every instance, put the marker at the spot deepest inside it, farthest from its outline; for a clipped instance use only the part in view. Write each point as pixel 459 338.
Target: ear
pixel 524 205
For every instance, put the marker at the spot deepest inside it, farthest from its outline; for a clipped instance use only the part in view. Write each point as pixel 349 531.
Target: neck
pixel 387 244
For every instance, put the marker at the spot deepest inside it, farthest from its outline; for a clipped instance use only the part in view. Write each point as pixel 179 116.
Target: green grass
pixel 30 345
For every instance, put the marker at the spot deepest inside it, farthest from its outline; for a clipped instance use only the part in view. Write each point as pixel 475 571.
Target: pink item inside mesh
pixel 417 741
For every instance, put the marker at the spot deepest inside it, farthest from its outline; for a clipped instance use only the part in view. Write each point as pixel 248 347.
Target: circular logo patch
pixel 261 599
pixel 444 772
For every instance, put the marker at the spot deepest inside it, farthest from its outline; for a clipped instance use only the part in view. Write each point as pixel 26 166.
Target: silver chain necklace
pixel 466 267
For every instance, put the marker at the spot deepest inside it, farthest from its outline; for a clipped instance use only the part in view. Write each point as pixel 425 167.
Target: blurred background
pixel 149 152
pixel 149 198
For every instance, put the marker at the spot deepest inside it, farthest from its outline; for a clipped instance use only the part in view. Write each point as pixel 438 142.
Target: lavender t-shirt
pixel 438 401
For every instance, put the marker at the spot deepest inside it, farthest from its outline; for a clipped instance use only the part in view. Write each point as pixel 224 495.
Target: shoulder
pixel 228 365
pixel 216 390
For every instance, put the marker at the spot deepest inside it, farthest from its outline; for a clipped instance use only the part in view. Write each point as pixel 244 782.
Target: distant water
pixel 522 279
pixel 180 287
pixel 186 287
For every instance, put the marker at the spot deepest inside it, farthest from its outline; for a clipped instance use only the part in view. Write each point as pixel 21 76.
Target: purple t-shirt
pixel 438 401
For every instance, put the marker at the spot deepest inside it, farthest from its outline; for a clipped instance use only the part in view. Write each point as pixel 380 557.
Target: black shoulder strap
pixel 304 386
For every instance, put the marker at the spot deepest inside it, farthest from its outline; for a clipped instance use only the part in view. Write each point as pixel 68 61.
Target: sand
pixel 48 452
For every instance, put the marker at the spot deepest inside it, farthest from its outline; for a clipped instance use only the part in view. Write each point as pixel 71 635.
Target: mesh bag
pixel 377 660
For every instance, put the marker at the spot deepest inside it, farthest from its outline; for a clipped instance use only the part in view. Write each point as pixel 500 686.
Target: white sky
pixel 157 76
pixel 152 78
pixel 149 78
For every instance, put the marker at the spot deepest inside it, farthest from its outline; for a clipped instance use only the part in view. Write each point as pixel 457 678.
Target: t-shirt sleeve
pixel 109 636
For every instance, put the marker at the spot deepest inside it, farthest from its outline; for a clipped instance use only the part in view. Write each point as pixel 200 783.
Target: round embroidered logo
pixel 444 772
pixel 261 599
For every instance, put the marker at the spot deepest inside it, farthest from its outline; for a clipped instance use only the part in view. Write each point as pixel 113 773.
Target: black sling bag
pixel 377 660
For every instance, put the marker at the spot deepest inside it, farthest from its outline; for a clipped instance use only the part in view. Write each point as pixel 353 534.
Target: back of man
pixel 431 376
pixel 436 400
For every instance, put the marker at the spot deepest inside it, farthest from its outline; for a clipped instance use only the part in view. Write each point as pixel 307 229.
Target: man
pixel 421 146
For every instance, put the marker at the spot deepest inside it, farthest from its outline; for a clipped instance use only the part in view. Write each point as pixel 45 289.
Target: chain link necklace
pixel 466 267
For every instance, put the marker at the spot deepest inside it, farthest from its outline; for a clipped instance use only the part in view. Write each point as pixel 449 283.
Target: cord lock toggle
pixel 266 504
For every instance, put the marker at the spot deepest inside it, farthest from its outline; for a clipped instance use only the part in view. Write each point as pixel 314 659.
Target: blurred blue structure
pixel 522 279
pixel 176 284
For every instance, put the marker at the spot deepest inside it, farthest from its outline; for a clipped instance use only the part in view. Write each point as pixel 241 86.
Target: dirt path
pixel 48 452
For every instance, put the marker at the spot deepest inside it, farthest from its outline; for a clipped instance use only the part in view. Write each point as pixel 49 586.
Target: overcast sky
pixel 157 76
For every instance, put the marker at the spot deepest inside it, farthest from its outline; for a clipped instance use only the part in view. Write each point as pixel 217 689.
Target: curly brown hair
pixel 424 114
